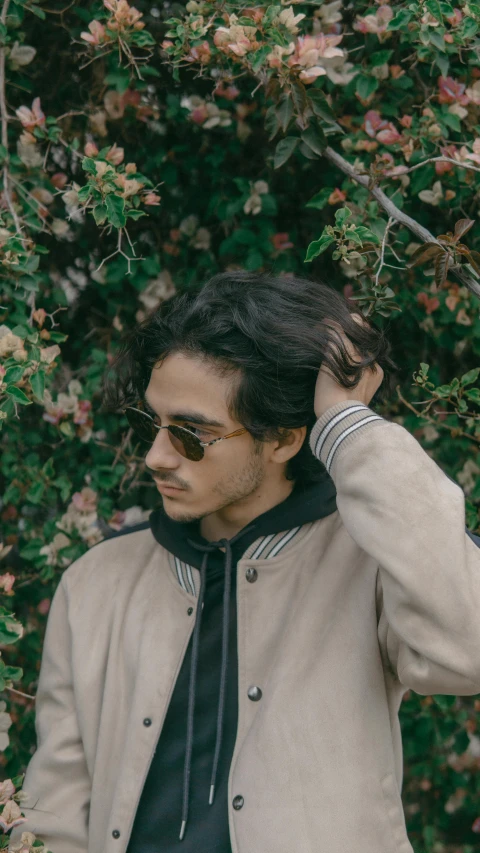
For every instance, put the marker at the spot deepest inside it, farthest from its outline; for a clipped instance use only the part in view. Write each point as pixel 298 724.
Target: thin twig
pixel 382 252
pixel 438 424
pixel 440 160
pixel 419 230
pixel 19 692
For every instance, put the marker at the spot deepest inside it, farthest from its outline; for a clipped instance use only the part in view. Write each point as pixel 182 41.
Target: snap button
pixel 190 611
pixel 237 802
pixel 254 693
pixel 116 833
pixel 251 575
pixel 147 721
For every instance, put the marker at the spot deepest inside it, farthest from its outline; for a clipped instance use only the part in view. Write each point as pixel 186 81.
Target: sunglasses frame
pixel 184 429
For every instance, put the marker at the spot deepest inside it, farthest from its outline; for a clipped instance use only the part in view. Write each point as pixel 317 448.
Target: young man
pixel 228 676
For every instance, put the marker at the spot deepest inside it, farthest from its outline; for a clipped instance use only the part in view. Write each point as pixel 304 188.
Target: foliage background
pixel 145 149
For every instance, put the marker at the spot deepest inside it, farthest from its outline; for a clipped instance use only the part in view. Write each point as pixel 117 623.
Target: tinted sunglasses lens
pixel 141 424
pixel 186 443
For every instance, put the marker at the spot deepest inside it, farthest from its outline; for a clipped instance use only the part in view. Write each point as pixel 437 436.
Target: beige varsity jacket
pixel 379 597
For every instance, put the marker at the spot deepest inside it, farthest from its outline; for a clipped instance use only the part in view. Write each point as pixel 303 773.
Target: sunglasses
pixel 183 440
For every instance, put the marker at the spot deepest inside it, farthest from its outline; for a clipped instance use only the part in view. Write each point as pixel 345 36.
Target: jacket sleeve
pixel 399 507
pixel 57 781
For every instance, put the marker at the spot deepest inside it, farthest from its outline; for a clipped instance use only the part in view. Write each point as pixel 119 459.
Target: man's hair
pixel 271 334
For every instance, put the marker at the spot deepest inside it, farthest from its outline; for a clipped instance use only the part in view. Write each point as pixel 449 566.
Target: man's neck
pixel 227 522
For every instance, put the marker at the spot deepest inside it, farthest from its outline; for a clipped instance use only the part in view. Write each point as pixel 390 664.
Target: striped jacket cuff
pixel 338 427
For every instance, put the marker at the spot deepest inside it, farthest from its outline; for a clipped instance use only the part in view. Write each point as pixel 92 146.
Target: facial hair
pixel 236 487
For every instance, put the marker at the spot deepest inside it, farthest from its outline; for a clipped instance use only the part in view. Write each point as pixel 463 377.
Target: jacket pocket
pixel 394 810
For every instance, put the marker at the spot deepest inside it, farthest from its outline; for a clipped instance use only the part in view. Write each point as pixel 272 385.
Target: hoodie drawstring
pixel 208 549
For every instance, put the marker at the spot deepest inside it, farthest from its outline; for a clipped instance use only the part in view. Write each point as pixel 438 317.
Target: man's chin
pixel 175 513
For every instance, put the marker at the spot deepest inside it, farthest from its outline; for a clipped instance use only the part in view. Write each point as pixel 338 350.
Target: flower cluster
pixel 124 20
pixel 68 405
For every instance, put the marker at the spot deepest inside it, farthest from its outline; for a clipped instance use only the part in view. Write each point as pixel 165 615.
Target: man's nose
pixel 162 453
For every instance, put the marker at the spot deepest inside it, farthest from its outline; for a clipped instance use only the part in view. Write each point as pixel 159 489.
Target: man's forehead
pixel 191 383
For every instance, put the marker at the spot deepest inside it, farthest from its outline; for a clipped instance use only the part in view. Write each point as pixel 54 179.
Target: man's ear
pixel 289 444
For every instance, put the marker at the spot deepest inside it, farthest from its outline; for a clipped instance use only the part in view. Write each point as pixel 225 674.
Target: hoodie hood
pixel 302 506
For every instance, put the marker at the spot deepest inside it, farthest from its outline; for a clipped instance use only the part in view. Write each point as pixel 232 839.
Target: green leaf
pixel 136 214
pixel 88 165
pixel 319 200
pixel 115 210
pixel 341 216
pixel 470 377
pixel 284 112
pixel 433 7
pixel 366 86
pixel 380 57
pixel 299 95
pixel 400 20
pixel 272 122
pixel 315 138
pixel 322 108
pixel 436 38
pixel 100 213
pixel 18 395
pixel 452 121
pixel 37 382
pixel 84 193
pixel 284 150
pixel 318 247
pixel 366 235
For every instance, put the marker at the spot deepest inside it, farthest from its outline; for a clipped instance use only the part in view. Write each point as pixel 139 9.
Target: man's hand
pixel 328 391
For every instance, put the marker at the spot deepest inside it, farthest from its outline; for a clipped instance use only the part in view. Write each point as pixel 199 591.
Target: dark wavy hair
pixel 271 334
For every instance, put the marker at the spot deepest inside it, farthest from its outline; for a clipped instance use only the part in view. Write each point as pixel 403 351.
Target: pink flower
pixel 389 135
pixel 451 92
pixel 200 53
pixel 431 303
pixel 44 606
pixel 86 500
pixel 82 414
pixel 39 316
pixel 97 34
pixel 236 38
pixel 406 121
pixel 59 180
pixel 10 816
pixel 280 241
pixel 447 151
pixel 309 52
pixel 373 122
pixel 7 790
pixel 456 18
pixel 230 93
pixel 6 582
pixel 115 155
pixel 123 15
pixel 337 197
pixel 90 149
pixel 376 23
pixel 151 199
pixel 31 118
pixel 476 825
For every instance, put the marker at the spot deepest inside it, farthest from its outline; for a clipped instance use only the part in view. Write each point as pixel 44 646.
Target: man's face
pixel 230 471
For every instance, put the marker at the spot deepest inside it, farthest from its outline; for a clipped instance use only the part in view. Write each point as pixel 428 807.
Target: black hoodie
pixel 167 798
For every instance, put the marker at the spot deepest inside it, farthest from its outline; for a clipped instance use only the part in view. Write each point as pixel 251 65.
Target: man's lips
pixel 162 485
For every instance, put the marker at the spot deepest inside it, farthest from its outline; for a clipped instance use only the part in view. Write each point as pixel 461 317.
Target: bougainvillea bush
pixel 144 149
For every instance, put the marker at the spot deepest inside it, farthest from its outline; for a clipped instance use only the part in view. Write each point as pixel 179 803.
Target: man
pixel 228 676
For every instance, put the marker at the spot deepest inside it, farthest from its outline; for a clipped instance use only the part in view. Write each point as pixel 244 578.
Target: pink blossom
pixel 151 199
pixel 59 180
pixel 115 155
pixel 31 118
pixel 337 196
pixel 280 241
pixel 406 121
pixel 476 825
pixel 236 38
pixel 82 414
pixel 376 23
pixel 10 816
pixel 6 582
pixel 230 92
pixel 97 34
pixel 456 18
pixel 44 606
pixel 85 501
pixel 373 122
pixel 200 53
pixel 7 790
pixel 389 135
pixel 451 92
pixel 123 15
pixel 309 53
pixel 90 149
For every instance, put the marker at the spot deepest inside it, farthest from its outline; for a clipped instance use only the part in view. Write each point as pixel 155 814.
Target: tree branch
pixel 393 211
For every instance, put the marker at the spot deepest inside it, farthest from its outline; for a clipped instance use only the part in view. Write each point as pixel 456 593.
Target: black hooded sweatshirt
pixel 159 815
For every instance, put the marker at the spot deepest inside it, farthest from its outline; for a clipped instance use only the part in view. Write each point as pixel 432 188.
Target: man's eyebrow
pixel 190 417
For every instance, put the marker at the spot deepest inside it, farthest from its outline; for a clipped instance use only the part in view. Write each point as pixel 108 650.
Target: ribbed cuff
pixel 338 427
